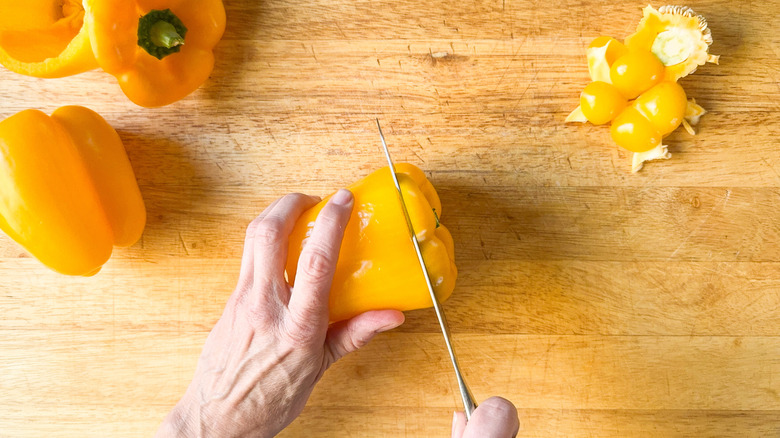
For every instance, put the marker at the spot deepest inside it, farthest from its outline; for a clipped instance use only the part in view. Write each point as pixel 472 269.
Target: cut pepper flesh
pixel 677 36
pixel 44 38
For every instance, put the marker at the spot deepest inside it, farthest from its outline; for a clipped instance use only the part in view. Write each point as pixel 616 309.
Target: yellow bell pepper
pixel 67 191
pixel 678 36
pixel 669 44
pixel 44 38
pixel 159 51
pixel 161 57
pixel 377 266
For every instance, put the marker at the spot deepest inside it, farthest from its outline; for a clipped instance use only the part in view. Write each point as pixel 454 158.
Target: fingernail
pixel 342 197
pixel 386 328
pixel 391 325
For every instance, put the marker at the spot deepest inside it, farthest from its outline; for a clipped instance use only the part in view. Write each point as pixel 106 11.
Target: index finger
pixel 317 264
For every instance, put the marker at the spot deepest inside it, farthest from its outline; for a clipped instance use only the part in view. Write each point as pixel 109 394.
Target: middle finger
pixel 270 239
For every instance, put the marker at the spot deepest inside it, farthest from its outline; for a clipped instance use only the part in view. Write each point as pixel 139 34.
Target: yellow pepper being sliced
pixel 669 43
pixel 67 191
pixel 160 51
pixel 377 266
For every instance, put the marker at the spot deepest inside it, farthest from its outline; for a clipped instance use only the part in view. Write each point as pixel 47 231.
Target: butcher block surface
pixel 602 303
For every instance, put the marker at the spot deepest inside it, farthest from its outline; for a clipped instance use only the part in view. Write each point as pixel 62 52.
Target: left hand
pixel 273 342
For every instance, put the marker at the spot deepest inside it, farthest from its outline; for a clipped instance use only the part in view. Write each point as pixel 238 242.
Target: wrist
pixel 181 422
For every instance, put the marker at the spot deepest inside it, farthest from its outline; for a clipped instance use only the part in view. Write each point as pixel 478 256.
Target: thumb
pixel 496 417
pixel 344 337
pixel 458 424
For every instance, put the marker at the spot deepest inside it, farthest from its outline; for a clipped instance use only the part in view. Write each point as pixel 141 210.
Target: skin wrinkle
pixel 273 343
pixel 243 383
pixel 234 377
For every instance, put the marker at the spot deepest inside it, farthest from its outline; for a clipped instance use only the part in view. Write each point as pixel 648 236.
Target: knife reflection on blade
pixel 465 393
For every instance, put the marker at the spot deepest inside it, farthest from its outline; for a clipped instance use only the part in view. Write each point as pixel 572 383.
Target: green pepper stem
pixel 163 34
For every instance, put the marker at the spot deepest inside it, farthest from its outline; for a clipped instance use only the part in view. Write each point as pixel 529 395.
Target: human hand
pixel 496 417
pixel 273 342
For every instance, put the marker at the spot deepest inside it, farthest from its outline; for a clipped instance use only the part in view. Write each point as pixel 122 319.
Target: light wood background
pixel 601 303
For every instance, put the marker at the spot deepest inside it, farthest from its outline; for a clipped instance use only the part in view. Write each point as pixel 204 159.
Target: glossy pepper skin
pixel 377 266
pixel 67 191
pixel 154 67
pixel 653 115
pixel 635 84
pixel 145 79
pixel 638 125
pixel 44 38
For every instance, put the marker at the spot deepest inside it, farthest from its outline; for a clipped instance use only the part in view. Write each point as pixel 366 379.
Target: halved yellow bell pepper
pixel 160 51
pixel 377 266
pixel 67 191
pixel 45 38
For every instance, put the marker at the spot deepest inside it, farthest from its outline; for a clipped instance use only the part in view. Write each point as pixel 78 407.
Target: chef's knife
pixel 465 394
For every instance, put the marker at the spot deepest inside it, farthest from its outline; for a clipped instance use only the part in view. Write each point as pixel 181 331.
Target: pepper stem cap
pixel 161 33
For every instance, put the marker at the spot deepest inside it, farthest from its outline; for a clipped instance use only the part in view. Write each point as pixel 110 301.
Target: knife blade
pixel 465 393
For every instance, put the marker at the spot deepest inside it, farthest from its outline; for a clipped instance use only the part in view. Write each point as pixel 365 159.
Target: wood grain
pixel 602 303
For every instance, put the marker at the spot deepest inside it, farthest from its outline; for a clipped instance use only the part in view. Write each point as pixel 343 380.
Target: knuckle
pixel 317 264
pixel 256 316
pixel 356 341
pixel 333 217
pixel 269 231
pixel 262 314
pixel 295 199
pixel 298 334
pixel 250 229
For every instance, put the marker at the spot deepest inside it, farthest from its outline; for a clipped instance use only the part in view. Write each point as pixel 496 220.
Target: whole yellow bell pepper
pixel 159 51
pixel 377 266
pixel 162 56
pixel 67 191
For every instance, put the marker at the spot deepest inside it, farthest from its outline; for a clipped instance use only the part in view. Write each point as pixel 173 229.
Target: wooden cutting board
pixel 602 303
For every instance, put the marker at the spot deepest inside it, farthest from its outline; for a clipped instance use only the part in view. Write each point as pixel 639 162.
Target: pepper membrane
pixel 45 38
